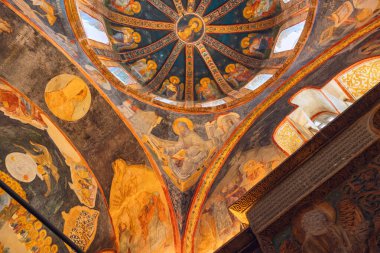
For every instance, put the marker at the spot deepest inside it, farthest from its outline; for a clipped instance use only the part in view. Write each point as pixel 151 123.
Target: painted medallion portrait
pixel 68 97
pixel 190 28
pixel 40 164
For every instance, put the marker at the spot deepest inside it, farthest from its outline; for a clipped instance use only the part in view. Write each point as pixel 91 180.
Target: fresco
pixel 138 210
pixel 344 220
pixel 350 13
pixel 68 97
pixel 125 38
pixel 263 148
pixel 255 10
pixel 47 168
pixel 192 60
pixel 257 44
pixel 4 26
pixel 20 231
pixel 127 7
pixel 181 158
pixel 246 169
pixel 154 119
pixel 73 198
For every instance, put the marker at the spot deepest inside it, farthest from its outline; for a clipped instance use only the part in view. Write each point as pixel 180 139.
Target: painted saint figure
pixel 257 45
pixel 172 88
pixel 257 9
pixel 188 153
pixel 321 228
pixel 125 38
pixel 129 7
pixel 237 74
pixel 221 129
pixel 144 69
pixel 138 211
pixel 68 97
pixel 17 107
pixel 207 90
pixel 192 31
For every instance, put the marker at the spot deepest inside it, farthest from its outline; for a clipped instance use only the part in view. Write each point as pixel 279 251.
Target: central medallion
pixel 190 28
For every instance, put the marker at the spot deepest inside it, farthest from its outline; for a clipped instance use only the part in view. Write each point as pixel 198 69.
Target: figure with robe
pixel 125 38
pixel 172 88
pixel 187 154
pixel 257 9
pixel 129 7
pixel 237 74
pixel 144 69
pixel 207 90
pixel 256 45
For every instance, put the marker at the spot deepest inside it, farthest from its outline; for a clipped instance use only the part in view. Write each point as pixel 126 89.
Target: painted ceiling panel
pixel 162 121
pixel 138 9
pixel 139 38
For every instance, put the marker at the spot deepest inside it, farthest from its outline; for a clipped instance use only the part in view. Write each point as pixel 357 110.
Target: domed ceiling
pixel 193 55
pixel 186 97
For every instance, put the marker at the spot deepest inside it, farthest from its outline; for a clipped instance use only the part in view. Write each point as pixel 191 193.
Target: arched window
pixel 317 107
pixel 289 37
pixel 93 28
pixel 323 119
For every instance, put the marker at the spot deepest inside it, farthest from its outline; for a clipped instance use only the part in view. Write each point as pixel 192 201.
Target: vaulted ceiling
pixel 175 107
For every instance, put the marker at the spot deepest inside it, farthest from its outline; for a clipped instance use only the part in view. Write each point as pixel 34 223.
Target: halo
pixel 324 207
pixel 199 23
pixel 205 79
pixel 137 37
pixel 136 7
pixel 230 67
pixel 21 166
pixel 154 64
pixel 188 122
pixel 174 79
pixel 245 42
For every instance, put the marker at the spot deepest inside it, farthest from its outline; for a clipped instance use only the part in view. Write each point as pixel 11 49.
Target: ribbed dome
pixel 196 55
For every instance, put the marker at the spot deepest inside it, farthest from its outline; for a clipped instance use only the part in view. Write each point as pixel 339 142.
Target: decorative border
pixel 116 110
pixel 41 111
pixel 196 108
pixel 218 162
pixel 241 206
pixel 333 183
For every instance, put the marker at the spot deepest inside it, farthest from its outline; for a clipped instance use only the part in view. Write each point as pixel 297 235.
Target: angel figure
pixel 172 88
pixel 129 7
pixel 4 26
pixel 320 228
pixel 206 90
pixel 41 155
pixel 125 38
pixel 256 45
pixel 256 9
pixel 237 74
pixel 144 69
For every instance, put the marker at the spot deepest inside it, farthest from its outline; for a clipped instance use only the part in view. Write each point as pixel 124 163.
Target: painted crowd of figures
pixel 39 159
